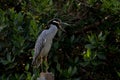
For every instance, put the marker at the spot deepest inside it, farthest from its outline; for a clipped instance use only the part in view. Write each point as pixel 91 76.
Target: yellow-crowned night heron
pixel 44 41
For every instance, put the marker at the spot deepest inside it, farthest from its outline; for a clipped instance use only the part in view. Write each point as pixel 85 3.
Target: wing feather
pixel 40 42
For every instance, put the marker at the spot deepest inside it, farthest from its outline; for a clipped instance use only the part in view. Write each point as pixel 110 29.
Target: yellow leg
pixel 46 64
pixel 46 58
pixel 41 62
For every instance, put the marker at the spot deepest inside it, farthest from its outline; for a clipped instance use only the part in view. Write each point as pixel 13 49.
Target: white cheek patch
pixel 56 22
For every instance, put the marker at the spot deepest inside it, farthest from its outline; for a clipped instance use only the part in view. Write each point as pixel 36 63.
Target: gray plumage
pixel 43 44
pixel 44 41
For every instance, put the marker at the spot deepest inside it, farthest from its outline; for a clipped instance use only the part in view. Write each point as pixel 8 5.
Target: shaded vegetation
pixel 90 50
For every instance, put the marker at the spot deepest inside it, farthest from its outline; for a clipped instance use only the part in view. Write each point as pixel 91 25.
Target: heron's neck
pixel 52 30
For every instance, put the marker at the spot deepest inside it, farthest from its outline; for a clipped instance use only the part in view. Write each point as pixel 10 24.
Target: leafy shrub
pixel 88 51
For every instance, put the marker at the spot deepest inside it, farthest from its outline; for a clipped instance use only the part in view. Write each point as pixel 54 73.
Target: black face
pixel 55 21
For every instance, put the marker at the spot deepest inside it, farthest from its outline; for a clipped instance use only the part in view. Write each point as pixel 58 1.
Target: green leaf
pixel 84 63
pixel 8 57
pixel 4 62
pixel 2 27
pixel 100 35
pixel 118 73
pixel 27 67
pixel 11 66
pixel 72 38
pixel 74 70
pixel 92 39
pixel 89 46
pixel 70 70
pixel 76 59
pixel 28 76
pixel 101 56
pixel 59 33
pixel 58 68
pixel 32 52
pixel 56 45
pixel 88 54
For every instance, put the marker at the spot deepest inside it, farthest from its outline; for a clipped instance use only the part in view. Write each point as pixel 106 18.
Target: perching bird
pixel 44 41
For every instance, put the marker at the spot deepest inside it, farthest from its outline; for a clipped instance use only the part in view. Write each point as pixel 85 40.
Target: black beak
pixel 63 23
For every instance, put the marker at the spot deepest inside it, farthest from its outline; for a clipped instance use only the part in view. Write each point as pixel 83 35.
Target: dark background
pixel 90 50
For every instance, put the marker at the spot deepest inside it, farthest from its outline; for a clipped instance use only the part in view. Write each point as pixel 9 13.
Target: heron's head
pixel 58 23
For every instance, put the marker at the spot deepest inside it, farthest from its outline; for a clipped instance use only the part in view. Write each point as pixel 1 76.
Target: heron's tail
pixel 35 63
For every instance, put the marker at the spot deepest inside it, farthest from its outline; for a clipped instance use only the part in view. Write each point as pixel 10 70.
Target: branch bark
pixel 92 26
pixel 46 76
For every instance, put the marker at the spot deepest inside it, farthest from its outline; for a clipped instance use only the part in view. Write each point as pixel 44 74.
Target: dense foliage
pixel 90 50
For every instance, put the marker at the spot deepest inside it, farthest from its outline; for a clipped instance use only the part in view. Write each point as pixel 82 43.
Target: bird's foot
pixel 46 70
